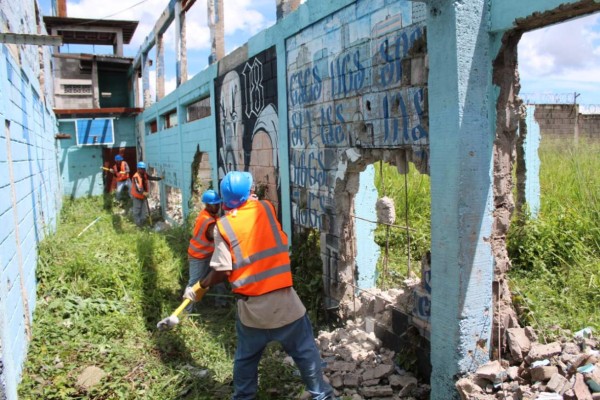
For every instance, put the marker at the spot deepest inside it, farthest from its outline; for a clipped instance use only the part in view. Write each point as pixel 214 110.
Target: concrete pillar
pixel 61 8
pixel 146 80
pixel 118 44
pixel 160 68
pixel 216 28
pixel 528 164
pixel 461 108
pixel 95 88
pixel 284 7
pixel 180 45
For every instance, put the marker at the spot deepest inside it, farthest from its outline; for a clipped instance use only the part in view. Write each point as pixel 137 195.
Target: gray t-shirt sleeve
pixel 221 258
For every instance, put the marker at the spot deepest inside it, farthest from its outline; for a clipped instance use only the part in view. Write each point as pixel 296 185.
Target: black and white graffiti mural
pixel 248 124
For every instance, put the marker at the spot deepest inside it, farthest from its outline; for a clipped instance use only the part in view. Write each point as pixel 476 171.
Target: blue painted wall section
pixel 362 81
pixel 30 191
pixel 531 146
pixel 80 164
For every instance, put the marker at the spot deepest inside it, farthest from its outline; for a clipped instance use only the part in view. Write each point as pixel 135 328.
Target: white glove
pixel 190 294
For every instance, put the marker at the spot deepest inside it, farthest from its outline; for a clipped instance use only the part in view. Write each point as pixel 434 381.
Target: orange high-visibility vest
pixel 139 186
pixel 259 249
pixel 200 245
pixel 124 168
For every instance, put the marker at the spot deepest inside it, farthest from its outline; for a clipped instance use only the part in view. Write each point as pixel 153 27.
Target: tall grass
pixel 100 295
pixel 556 257
pixel 413 197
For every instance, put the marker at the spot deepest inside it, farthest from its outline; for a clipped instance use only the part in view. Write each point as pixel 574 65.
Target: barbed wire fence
pixel 559 98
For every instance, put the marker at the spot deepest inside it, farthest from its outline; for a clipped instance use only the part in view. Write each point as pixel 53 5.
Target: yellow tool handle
pixel 179 309
pixel 199 290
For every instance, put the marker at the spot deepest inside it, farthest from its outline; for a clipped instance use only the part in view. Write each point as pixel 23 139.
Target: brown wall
pixel 559 120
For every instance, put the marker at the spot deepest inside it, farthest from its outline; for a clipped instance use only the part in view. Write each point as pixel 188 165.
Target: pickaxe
pixel 173 319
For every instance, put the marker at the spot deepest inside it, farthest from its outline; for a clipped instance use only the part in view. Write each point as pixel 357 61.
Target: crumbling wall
pixel 357 94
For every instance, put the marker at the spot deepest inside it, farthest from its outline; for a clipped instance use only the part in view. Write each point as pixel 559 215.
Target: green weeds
pixel 100 296
pixel 556 256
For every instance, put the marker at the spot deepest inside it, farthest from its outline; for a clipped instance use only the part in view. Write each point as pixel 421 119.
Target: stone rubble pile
pixel 566 369
pixel 359 368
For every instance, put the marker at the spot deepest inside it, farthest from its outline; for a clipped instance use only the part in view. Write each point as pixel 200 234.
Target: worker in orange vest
pixel 139 193
pixel 251 251
pixel 121 173
pixel 202 244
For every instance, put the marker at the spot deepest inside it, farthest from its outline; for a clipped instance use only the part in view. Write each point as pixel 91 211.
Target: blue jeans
pixel 297 341
pixel 199 269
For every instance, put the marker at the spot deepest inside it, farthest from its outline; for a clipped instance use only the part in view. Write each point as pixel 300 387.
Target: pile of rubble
pixel 358 367
pixel 566 369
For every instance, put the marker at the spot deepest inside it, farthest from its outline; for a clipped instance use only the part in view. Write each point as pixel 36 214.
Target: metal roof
pixel 90 31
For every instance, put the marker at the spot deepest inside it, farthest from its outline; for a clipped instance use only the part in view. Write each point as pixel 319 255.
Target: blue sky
pixel 557 60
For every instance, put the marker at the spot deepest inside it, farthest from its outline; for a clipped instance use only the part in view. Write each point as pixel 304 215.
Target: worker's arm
pixel 214 277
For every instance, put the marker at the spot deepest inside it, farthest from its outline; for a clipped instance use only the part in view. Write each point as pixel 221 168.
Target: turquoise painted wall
pixel 531 146
pixel 30 191
pixel 80 165
pixel 463 39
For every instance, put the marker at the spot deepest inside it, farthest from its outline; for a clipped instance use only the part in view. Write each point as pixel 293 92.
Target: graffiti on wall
pixel 248 124
pixel 346 94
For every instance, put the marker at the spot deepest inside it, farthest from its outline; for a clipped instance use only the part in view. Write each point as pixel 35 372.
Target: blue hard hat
pixel 141 164
pixel 211 197
pixel 235 188
pixel 118 157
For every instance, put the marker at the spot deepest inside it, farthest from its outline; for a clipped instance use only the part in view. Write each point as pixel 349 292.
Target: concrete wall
pixel 30 192
pixel 80 165
pixel 560 120
pixel 362 81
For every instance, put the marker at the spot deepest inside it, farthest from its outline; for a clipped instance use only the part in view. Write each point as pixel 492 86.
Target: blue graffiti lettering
pixel 305 86
pixel 347 74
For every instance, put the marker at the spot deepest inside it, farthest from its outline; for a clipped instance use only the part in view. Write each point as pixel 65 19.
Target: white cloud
pixel 560 48
pixel 562 59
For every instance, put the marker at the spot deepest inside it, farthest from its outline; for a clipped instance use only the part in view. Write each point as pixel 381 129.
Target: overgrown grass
pixel 414 196
pixel 555 276
pixel 100 296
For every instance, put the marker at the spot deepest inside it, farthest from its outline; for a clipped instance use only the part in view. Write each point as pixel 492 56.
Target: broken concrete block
pixel 351 380
pixel 377 391
pixel 401 380
pixel 580 389
pixel 557 383
pixel 543 373
pixel 370 382
pixel 542 351
pixel 518 343
pixel 467 388
pixel 492 371
pixel 343 366
pixel 380 371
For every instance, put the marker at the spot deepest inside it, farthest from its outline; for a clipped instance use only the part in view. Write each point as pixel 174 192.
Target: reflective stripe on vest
pixel 138 181
pixel 200 246
pixel 261 263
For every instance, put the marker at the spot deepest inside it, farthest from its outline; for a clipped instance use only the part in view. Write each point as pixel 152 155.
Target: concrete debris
pixel 565 369
pixel 386 211
pixel 359 368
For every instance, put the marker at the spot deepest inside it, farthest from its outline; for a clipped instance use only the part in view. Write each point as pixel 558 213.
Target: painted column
pixel 95 88
pixel 160 67
pixel 118 45
pixel 461 190
pixel 180 43
pixel 146 80
pixel 216 28
pixel 531 160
